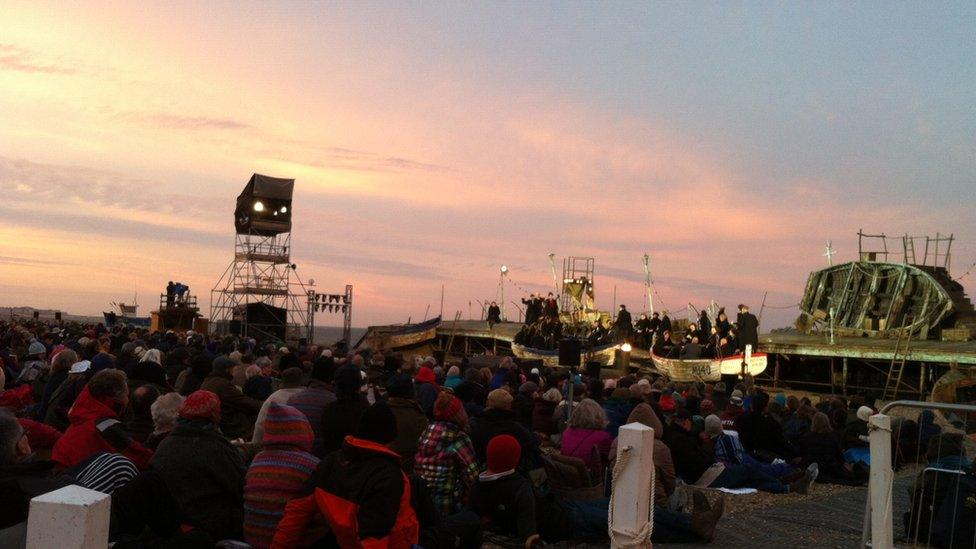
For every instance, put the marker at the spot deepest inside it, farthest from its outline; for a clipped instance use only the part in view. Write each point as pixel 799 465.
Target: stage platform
pixel 929 351
pixel 925 350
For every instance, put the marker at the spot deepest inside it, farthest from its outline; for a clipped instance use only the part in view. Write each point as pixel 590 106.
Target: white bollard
pixel 70 518
pixel 631 503
pixel 880 487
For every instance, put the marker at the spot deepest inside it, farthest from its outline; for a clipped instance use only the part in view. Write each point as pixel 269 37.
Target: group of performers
pixel 704 339
pixel 176 293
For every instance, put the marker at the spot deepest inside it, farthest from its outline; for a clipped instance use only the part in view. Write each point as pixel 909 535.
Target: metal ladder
pixel 897 368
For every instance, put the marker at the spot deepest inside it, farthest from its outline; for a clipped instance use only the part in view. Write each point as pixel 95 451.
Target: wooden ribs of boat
pixel 708 369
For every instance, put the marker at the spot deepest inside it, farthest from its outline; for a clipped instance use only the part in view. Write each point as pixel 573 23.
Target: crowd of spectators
pixel 200 440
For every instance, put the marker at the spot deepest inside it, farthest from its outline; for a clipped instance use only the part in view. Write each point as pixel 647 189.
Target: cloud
pixel 339 158
pixel 182 122
pixel 13 58
pixel 27 262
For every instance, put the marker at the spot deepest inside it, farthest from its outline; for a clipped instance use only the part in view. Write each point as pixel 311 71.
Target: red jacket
pixel 95 428
pixel 357 497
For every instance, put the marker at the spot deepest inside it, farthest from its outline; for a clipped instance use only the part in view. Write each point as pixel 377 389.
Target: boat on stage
pixel 708 369
pixel 550 357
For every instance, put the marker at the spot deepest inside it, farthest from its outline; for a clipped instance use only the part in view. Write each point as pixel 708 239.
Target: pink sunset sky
pixel 432 143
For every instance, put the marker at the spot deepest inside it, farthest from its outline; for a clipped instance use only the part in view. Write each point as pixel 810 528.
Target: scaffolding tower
pixel 260 295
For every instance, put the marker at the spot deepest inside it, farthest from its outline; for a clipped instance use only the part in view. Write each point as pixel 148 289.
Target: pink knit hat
pixel 286 426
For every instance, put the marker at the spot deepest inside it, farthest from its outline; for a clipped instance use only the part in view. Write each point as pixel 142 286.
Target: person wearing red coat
pixel 95 425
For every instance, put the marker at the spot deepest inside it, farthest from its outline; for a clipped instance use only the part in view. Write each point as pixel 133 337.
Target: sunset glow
pixel 431 144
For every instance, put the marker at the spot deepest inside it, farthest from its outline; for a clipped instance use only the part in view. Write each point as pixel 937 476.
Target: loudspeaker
pixel 235 327
pixel 264 320
pixel 57 316
pixel 569 352
pixel 37 315
pixel 593 369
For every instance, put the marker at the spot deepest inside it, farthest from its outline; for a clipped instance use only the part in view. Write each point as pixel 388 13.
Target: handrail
pixel 933 405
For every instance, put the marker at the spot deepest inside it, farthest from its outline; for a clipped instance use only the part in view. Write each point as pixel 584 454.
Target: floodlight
pixel 504 269
pixel 626 347
pixel 264 206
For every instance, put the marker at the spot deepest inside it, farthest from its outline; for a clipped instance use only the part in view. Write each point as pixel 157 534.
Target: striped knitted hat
pixel 286 426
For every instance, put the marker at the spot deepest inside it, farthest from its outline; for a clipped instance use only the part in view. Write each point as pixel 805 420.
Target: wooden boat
pixel 388 338
pixel 604 355
pixel 708 369
pixel 879 299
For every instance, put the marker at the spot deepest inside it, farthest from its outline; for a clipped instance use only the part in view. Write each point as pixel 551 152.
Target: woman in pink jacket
pixel 585 437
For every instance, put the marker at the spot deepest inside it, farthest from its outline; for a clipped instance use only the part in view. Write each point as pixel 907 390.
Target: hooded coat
pixel 446 461
pixel 95 427
pixel 665 476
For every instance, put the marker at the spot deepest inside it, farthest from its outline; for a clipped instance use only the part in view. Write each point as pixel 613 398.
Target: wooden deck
pixel 930 351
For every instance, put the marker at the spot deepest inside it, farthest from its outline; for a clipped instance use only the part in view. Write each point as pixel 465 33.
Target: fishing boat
pixel 550 357
pixel 708 369
pixel 399 336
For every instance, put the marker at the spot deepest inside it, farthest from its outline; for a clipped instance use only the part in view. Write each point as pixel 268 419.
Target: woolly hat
pixel 713 425
pixel 327 353
pixel 528 388
pixel 503 453
pixel 448 407
pixel 737 394
pixel 36 348
pixel 201 405
pixel 377 424
pixel 80 367
pixel 719 387
pixel 102 361
pixel 706 406
pixel 223 364
pixel 426 375
pixel 400 386
pixel 286 426
pixel 780 399
pixel 736 401
pixel 348 380
pixel 500 399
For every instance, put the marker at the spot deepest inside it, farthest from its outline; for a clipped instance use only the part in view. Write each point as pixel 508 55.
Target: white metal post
pixel 880 485
pixel 631 504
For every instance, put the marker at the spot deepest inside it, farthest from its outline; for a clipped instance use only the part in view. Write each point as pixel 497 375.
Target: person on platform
pixel 551 307
pixel 623 326
pixel 704 325
pixel 665 325
pixel 494 313
pixel 691 350
pixel 722 323
pixel 642 329
pixel 664 347
pixel 532 309
pixel 747 326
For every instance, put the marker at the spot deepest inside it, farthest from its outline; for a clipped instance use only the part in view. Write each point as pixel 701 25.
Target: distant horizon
pixel 433 143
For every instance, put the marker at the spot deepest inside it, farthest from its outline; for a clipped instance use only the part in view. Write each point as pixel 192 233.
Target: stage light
pixel 284 209
pixel 259 206
pixel 626 347
pixel 504 269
